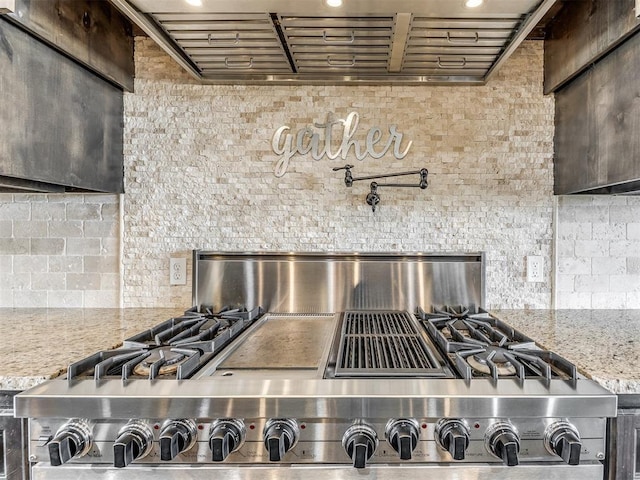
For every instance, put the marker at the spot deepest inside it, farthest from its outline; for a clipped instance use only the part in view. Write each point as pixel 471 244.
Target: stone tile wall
pixel 59 250
pixel 199 173
pixel 598 252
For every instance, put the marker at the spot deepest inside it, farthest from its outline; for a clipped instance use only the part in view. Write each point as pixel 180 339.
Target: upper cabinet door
pixel 62 126
pixel 582 33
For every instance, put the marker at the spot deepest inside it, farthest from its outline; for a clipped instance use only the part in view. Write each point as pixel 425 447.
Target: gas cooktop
pixel 261 392
pixel 448 342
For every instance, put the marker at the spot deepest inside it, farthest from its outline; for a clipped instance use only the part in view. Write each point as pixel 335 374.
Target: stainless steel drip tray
pixel 279 346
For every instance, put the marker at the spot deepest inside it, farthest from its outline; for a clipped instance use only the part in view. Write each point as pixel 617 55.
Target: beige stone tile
pixel 14 246
pixel 15 211
pixel 6 228
pixel 83 281
pixel 47 246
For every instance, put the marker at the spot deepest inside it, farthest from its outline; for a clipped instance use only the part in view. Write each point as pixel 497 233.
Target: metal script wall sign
pixel 287 144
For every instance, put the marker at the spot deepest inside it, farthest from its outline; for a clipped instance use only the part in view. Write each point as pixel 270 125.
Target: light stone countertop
pixel 603 344
pixel 38 344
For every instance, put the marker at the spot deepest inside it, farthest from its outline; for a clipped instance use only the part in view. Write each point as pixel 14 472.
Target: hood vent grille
pixel 445 46
pixel 222 43
pixel 339 45
pixel 436 41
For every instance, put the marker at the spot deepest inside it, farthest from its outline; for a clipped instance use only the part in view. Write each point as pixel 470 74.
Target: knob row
pixel 502 440
pixel 135 440
pixel 360 441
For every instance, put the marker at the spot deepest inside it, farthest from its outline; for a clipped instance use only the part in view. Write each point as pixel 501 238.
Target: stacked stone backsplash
pixel 199 173
pixel 598 252
pixel 59 250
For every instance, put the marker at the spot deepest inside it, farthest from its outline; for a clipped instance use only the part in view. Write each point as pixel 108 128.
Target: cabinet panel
pixel 597 145
pixel 93 33
pixel 61 124
pixel 583 32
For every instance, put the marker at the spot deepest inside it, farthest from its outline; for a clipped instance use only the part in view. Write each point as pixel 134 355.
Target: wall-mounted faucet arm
pixel 373 198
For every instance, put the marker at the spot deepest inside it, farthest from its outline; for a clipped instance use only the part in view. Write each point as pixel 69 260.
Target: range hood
pixel 363 41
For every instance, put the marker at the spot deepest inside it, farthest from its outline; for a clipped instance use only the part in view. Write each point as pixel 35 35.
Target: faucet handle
pixel 348 177
pixel 373 198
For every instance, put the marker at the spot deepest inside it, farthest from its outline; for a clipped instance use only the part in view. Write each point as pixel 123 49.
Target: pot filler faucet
pixel 373 198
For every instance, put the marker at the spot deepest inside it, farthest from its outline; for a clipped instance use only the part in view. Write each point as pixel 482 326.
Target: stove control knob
pixel 135 440
pixel 562 439
pixel 177 436
pixel 360 442
pixel 453 435
pixel 72 440
pixel 225 436
pixel 280 436
pixel 502 440
pixel 402 434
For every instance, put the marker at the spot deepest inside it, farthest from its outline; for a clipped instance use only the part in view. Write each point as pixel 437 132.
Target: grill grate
pixel 382 344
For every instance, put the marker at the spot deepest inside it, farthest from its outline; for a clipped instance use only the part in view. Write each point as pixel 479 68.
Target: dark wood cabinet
pixel 583 32
pixel 61 126
pixel 597 144
pixel 592 64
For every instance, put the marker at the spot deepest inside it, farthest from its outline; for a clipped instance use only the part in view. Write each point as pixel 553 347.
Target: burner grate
pixel 173 349
pixel 382 344
pixel 480 345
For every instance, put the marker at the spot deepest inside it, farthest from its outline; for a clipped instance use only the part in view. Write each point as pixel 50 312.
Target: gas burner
pixel 173 349
pixel 481 330
pixel 167 360
pixel 193 326
pixel 489 359
pixel 479 345
pixel 168 331
pixel 453 311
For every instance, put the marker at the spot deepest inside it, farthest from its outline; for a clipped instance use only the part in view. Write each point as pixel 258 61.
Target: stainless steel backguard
pixel 320 283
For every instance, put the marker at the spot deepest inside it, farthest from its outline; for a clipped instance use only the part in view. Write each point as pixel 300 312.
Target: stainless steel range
pixel 293 366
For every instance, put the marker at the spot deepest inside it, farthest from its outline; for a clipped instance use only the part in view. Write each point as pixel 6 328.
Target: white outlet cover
pixel 535 268
pixel 177 271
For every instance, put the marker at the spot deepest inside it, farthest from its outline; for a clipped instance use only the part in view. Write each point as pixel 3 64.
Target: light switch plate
pixel 177 271
pixel 535 268
pixel 637 8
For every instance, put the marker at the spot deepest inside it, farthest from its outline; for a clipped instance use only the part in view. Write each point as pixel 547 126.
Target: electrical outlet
pixel 177 271
pixel 535 269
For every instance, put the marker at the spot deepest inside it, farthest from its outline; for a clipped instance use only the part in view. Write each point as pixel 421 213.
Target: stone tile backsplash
pixel 598 252
pixel 199 173
pixel 59 250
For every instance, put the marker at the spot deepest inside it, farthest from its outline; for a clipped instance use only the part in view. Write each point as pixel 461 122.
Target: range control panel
pixel 510 441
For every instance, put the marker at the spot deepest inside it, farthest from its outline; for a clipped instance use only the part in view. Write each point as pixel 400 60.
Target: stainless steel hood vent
pixel 365 41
